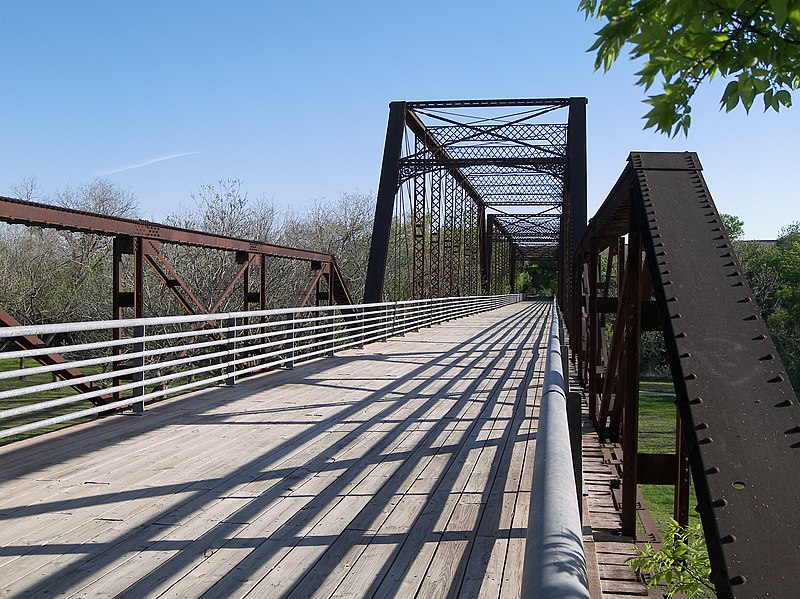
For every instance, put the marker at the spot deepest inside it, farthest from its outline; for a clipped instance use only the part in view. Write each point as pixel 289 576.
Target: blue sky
pixel 292 97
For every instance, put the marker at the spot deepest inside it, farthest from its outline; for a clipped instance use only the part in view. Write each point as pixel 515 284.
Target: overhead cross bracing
pixel 536 235
pixel 472 189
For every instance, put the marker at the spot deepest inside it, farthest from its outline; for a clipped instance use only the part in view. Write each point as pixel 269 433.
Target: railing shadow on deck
pixel 183 404
pixel 103 555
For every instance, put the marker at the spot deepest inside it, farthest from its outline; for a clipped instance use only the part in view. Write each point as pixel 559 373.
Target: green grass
pixel 28 381
pixel 657 435
pixel 38 379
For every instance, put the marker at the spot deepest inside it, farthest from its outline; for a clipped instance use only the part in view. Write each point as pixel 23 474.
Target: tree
pixel 753 43
pixel 47 275
pixel 223 208
pixel 784 321
pixel 539 278
pixel 734 226
pixel 343 228
pixel 773 271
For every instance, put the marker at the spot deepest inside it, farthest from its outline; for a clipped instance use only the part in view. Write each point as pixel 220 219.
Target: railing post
pixel 332 334
pixel 290 363
pixel 403 319
pixel 230 346
pixel 138 377
pixel 363 327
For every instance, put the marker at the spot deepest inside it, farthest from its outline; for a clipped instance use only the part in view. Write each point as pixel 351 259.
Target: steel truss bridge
pixel 397 460
pixel 471 190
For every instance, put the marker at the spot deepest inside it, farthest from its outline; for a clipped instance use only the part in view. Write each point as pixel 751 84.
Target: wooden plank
pixel 445 570
pixel 365 474
pixel 615 578
pixel 621 586
pixel 618 572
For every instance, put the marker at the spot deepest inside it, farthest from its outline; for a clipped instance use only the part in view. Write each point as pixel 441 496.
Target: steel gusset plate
pixel 738 408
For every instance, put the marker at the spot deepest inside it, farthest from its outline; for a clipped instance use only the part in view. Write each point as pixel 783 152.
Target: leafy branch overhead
pixel 755 44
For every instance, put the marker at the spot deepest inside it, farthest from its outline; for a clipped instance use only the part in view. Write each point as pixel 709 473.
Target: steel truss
pixel 464 163
pixel 736 419
pixel 137 246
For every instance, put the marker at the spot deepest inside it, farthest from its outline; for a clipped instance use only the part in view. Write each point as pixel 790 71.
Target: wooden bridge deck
pixel 400 470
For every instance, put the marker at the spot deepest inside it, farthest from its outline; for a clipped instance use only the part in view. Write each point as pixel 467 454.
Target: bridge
pixel 446 437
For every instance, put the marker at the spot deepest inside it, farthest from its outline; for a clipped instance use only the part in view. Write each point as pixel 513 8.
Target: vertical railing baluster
pixel 138 362
pixel 230 346
pixel 332 333
pixel 290 363
pixel 363 327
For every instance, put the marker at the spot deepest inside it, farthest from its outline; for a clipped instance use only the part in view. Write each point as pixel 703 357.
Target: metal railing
pixel 555 563
pixel 128 363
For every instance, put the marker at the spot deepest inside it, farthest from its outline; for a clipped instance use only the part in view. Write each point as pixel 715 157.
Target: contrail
pixel 129 167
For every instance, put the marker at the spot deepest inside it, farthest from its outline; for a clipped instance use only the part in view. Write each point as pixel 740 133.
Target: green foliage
pixel 773 271
pixel 734 226
pixel 681 565
pixel 784 320
pixel 653 354
pixel 539 278
pixel 755 44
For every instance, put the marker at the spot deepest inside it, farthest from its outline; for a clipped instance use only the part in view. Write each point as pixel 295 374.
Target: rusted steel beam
pixel 593 357
pixel 656 469
pixel 469 239
pixel 418 226
pixel 739 416
pixel 387 189
pixel 455 164
pixel 488 242
pixel 576 171
pixel 249 259
pixel 262 283
pixel 138 277
pixel 682 476
pixel 311 288
pixel 614 358
pixel 42 215
pixel 630 438
pixel 176 285
pixel 250 297
pixel 483 250
pixel 435 254
pixel 173 284
pixel 339 292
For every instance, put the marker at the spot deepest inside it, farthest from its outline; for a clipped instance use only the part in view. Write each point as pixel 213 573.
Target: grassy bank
pixel 29 381
pixel 657 435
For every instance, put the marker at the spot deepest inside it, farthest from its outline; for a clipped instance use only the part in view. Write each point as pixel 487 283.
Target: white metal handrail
pixel 152 360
